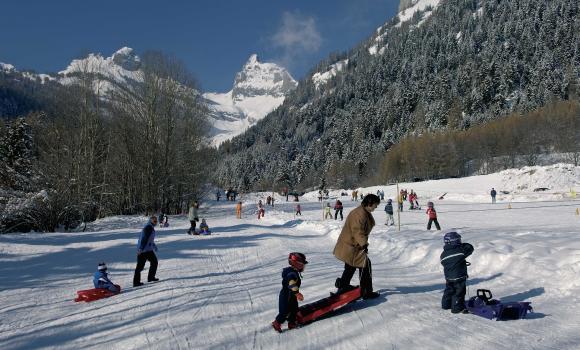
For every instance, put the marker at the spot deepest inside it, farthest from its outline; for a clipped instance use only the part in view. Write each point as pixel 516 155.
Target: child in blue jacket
pixel 101 279
pixel 455 269
pixel 290 292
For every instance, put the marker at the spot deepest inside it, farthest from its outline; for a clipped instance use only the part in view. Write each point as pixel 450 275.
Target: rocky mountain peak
pixel 259 79
pixel 126 58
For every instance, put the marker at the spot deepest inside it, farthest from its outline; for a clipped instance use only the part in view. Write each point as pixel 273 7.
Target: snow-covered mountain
pixel 258 89
pixel 121 67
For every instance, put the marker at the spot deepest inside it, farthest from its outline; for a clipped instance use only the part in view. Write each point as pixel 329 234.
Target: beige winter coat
pixel 354 237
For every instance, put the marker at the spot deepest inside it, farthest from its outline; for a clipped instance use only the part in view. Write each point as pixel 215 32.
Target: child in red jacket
pixel 432 216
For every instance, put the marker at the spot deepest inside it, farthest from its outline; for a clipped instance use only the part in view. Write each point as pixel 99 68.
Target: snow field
pixel 221 291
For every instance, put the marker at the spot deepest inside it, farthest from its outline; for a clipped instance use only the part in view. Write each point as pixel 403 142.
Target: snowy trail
pixel 220 291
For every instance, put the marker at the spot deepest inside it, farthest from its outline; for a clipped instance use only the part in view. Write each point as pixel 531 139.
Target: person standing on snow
pixel 146 249
pixel 290 292
pixel 352 247
pixel 261 209
pixel 493 193
pixel 455 270
pixel 432 216
pixel 192 216
pixel 298 210
pixel 239 210
pixel 338 209
pixel 327 212
pixel 389 212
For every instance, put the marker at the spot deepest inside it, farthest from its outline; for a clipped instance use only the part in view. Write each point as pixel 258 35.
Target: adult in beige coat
pixel 352 247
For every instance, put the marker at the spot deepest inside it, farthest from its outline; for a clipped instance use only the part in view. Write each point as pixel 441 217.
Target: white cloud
pixel 297 34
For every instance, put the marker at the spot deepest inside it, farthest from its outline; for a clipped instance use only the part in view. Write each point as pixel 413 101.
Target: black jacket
pixel 453 261
pixel 389 208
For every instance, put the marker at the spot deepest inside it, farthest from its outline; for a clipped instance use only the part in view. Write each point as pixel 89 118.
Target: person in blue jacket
pixel 290 292
pixel 101 279
pixel 389 212
pixel 455 270
pixel 146 249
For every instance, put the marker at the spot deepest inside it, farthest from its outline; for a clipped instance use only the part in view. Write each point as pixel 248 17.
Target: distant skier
pixel 400 201
pixel 261 210
pixel 239 210
pixel 290 292
pixel 455 270
pixel 338 209
pixel 298 210
pixel 432 216
pixel 411 200
pixel 268 200
pixel 389 212
pixel 493 193
pixel 101 279
pixel 327 212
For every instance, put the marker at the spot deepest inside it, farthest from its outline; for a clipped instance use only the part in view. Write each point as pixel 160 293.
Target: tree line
pixel 101 147
pixel 518 139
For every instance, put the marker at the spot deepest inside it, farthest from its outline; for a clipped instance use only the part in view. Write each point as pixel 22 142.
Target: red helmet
pixel 297 260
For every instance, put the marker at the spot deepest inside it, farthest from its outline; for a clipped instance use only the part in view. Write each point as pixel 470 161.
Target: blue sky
pixel 213 38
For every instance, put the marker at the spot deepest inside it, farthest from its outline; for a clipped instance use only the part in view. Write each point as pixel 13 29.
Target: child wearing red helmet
pixel 432 216
pixel 290 292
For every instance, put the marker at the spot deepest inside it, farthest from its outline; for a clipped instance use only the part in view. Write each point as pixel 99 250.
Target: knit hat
pixel 102 266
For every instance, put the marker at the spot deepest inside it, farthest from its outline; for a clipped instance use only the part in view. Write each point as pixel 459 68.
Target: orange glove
pixel 299 296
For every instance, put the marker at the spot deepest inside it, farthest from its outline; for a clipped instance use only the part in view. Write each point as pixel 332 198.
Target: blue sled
pixel 483 305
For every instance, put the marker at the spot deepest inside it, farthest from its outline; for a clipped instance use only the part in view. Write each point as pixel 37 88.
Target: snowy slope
pixel 220 291
pixel 417 6
pixel 322 78
pixel 258 89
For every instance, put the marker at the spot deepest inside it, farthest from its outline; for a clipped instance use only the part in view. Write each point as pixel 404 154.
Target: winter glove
pixel 299 296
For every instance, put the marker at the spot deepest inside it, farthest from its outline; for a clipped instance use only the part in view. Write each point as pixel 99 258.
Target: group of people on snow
pixel 352 249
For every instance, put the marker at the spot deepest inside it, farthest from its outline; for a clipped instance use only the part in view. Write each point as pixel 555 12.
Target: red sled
pixel 89 295
pixel 310 312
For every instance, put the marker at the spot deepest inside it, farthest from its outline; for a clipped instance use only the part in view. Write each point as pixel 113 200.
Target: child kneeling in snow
pixel 455 269
pixel 290 292
pixel 204 228
pixel 102 281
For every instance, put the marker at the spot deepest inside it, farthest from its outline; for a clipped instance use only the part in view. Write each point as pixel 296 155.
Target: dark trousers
pixel 192 226
pixel 454 296
pixel 336 212
pixel 141 259
pixel 433 221
pixel 287 307
pixel 365 276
